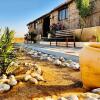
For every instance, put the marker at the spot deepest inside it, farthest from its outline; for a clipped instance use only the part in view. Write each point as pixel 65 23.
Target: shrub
pixel 6 49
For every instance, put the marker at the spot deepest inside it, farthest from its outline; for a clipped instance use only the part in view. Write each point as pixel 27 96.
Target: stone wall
pixel 54 17
pixel 31 28
pixel 73 16
pixel 94 19
pixel 72 22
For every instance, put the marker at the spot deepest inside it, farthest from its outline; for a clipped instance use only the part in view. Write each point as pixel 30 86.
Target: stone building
pixel 66 14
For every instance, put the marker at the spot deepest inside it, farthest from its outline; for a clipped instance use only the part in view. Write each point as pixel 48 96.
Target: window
pixel 63 14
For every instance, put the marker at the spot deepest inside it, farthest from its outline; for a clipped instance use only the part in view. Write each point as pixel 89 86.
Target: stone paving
pixel 67 53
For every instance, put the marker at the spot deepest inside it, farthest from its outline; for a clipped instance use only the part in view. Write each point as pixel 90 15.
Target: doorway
pixel 46 26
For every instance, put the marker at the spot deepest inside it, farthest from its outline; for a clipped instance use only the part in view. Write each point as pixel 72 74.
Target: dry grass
pixel 58 81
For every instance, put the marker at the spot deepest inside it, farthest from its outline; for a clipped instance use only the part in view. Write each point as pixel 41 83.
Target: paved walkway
pixel 67 53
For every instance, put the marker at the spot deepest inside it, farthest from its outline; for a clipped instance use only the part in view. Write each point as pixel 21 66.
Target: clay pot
pixel 90 65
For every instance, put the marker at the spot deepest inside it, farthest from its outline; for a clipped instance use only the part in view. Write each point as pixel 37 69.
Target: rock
pixel 12 80
pixel 4 87
pixel 28 72
pixel 31 52
pixel 57 62
pixel 72 97
pixel 69 61
pixel 4 76
pixel 39 53
pixel 36 66
pixel 26 64
pixel 74 65
pixel 91 98
pixel 43 57
pixel 38 69
pixel 62 98
pixel 49 59
pixel 51 56
pixel 67 64
pixel 62 59
pixel 27 77
pixel 37 76
pixel 35 55
pixel 96 90
pixel 33 80
pixel 4 79
pixel 63 65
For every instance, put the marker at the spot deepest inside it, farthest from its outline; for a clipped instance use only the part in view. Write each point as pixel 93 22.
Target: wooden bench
pixel 63 36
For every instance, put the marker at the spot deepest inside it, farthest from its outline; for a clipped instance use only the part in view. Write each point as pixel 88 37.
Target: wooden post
pixel 66 42
pixel 56 42
pixel 74 42
pixel 50 42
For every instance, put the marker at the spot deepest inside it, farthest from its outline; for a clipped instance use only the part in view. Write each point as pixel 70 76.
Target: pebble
pixel 26 64
pixel 49 59
pixel 38 69
pixel 65 64
pixel 28 72
pixel 39 53
pixel 74 65
pixel 72 97
pixel 62 59
pixel 57 62
pixel 31 52
pixel 35 55
pixel 96 90
pixel 27 77
pixel 12 81
pixel 4 87
pixel 62 98
pixel 91 98
pixel 4 76
pixel 37 76
pixel 43 58
pixel 33 80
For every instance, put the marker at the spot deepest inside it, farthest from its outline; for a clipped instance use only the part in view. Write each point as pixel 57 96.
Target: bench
pixel 62 36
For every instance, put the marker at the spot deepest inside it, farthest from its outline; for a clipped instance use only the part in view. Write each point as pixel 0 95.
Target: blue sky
pixel 17 13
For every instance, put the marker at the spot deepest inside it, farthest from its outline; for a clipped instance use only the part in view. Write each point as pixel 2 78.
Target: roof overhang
pixel 48 14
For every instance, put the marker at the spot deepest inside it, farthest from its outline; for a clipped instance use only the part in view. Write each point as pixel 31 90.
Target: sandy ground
pixel 59 81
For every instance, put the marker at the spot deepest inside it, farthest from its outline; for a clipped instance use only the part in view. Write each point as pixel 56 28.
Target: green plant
pixel 84 7
pixel 6 49
pixel 98 37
